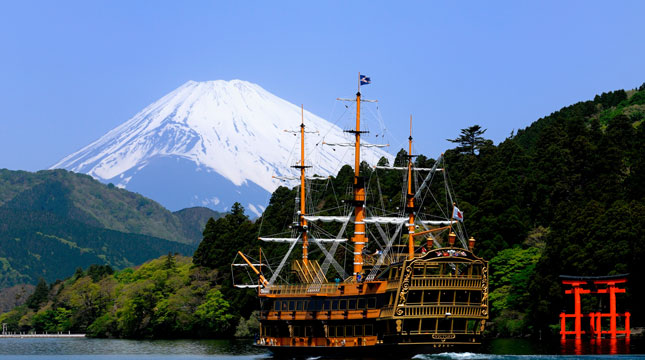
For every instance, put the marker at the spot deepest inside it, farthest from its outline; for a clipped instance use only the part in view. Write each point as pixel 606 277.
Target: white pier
pixel 27 336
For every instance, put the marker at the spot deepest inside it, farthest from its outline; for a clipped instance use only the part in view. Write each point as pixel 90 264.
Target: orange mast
pixel 359 238
pixel 303 221
pixel 263 280
pixel 410 198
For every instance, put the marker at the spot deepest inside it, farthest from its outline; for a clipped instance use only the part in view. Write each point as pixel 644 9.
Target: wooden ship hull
pixel 421 295
pixel 434 302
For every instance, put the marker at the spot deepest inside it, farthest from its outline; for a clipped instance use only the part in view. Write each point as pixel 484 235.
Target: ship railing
pixel 300 289
pixel 441 331
pixel 445 311
pixel 446 276
pixel 447 283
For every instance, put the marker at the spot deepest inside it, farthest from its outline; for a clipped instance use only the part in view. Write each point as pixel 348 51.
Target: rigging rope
pixel 384 254
pixel 284 260
pixel 332 251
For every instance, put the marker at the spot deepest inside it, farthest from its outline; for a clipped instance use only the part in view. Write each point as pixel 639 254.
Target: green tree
pixel 39 296
pixel 470 140
pixel 169 264
pixel 213 315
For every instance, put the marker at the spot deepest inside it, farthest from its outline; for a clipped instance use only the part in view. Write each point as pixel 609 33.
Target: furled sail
pixel 385 220
pixel 315 177
pixel 340 219
pixel 296 239
pixel 354 144
pixel 437 222
pixel 278 239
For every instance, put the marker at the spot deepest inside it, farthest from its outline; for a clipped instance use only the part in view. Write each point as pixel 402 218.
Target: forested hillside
pixel 81 198
pixel 163 298
pixel 54 221
pixel 40 244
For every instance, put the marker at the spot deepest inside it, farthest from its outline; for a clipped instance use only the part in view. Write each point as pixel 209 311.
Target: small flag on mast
pixel 457 214
pixel 365 80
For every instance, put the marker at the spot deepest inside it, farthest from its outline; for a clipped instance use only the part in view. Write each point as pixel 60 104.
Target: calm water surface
pixel 111 349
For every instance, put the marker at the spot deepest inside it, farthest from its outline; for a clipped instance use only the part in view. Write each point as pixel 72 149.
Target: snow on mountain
pixel 210 143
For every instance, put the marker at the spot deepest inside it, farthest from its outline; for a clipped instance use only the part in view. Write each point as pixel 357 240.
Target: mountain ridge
pixel 91 202
pixel 54 221
pixel 234 129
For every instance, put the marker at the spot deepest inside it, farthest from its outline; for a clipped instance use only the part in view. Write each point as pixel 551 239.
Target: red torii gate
pixel 597 285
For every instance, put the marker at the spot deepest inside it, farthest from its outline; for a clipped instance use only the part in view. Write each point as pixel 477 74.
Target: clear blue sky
pixel 72 70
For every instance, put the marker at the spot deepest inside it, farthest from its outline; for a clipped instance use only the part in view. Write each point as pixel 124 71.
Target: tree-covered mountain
pixel 562 197
pixel 82 198
pixel 41 244
pixel 52 222
pixel 193 220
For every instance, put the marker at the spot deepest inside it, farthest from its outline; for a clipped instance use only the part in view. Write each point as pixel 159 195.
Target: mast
pixel 303 221
pixel 410 198
pixel 359 238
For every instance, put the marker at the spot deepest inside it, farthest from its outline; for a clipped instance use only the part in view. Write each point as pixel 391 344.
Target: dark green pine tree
pixel 401 158
pixel 170 263
pixel 78 273
pixel 470 140
pixel 237 216
pixel 39 296
pixel 204 255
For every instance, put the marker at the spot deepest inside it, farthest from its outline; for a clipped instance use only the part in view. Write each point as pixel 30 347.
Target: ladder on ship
pixel 309 272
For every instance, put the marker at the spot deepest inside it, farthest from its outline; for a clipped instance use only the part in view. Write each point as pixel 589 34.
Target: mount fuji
pixel 210 144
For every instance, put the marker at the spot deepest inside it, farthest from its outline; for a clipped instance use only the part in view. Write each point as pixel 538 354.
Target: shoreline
pixel 13 336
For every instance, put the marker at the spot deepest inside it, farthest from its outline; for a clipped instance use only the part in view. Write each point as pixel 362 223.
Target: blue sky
pixel 72 70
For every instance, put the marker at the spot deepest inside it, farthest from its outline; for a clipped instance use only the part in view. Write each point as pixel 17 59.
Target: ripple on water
pixel 42 348
pixel 112 349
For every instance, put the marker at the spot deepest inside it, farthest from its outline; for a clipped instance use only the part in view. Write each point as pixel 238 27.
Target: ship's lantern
pixel 451 238
pixel 471 243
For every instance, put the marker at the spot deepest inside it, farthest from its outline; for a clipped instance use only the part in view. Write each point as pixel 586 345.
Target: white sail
pixel 385 220
pixel 298 178
pixel 296 239
pixel 340 219
pixel 278 239
pixel 353 145
pixel 329 240
pixel 437 222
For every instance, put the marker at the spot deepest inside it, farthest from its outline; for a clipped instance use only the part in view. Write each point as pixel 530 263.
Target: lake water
pixel 111 349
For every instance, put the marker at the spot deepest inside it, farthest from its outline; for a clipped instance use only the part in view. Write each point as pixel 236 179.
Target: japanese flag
pixel 457 214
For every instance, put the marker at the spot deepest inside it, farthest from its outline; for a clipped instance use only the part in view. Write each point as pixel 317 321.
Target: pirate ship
pixel 415 284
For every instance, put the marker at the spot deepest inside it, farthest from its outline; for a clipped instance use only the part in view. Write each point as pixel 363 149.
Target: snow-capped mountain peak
pixel 233 129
